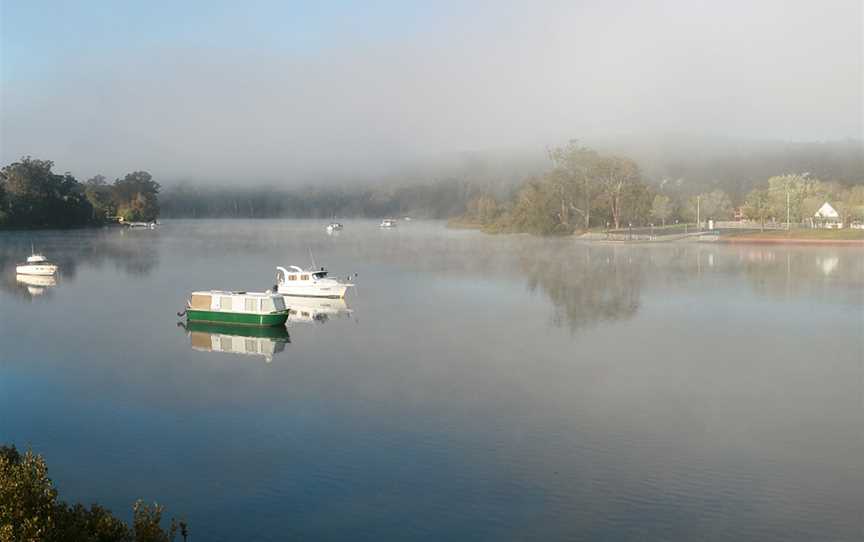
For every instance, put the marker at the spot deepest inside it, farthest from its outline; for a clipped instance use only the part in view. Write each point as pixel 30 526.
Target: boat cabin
pixel 296 274
pixel 244 302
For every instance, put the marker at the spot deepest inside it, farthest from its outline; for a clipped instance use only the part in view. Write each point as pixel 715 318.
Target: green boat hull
pixel 238 318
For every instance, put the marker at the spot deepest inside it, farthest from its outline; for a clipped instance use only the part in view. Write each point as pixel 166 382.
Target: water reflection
pixel 36 285
pixel 587 286
pixel 252 341
pixel 307 310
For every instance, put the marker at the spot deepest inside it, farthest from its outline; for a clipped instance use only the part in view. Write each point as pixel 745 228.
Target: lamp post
pixel 698 218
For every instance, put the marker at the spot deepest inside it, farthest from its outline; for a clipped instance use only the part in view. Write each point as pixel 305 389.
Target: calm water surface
pixel 473 387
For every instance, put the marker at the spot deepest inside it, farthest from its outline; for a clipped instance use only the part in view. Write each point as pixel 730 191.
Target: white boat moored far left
pixel 37 264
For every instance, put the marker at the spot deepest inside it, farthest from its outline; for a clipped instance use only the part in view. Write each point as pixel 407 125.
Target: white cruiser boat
pixel 334 227
pixel 309 283
pixel 388 223
pixel 37 264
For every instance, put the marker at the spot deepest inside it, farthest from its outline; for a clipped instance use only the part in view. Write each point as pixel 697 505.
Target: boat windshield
pixel 319 275
pixel 279 303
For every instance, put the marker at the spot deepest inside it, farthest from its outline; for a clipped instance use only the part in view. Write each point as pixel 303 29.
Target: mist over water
pixel 479 387
pixel 288 94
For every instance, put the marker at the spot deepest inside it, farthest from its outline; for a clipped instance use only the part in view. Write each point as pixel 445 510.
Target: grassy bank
pixel 802 235
pixel 460 223
pixel 847 237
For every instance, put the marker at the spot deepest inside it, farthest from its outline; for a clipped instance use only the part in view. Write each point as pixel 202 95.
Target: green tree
pixel 576 181
pixel 616 175
pixel 714 205
pixel 797 187
pixel 855 202
pixel 31 512
pixel 136 197
pixel 534 211
pixel 661 208
pixel 35 196
pixel 482 209
pixel 99 194
pixel 757 206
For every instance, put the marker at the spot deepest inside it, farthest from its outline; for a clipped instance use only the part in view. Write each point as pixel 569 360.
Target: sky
pixel 298 92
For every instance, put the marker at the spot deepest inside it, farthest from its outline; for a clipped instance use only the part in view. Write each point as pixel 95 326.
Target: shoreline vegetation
pixel 32 196
pixel 586 191
pixel 30 509
pixel 581 191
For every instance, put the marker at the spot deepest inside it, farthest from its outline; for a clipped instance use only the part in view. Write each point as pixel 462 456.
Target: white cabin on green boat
pixel 242 308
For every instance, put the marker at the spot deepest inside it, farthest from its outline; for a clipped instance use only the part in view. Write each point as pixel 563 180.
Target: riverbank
pixel 804 237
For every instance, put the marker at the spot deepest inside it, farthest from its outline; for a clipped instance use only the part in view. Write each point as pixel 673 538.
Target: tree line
pixel 585 189
pixel 32 195
pixel 438 199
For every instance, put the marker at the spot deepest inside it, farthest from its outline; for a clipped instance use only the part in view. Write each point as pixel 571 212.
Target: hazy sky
pixel 289 91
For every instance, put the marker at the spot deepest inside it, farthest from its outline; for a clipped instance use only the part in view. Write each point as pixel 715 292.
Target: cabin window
pixel 320 275
pixel 304 313
pixel 250 345
pixel 267 305
pixel 251 305
pixel 279 303
pixel 304 277
pixel 226 303
pixel 292 277
pixel 200 302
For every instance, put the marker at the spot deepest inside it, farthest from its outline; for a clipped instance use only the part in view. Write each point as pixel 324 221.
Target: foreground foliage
pixel 31 512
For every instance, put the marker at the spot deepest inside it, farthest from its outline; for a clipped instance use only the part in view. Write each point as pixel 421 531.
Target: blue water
pixel 474 387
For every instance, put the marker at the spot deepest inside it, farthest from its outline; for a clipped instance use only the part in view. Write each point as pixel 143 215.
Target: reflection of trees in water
pixel 586 285
pixel 803 271
pixel 130 252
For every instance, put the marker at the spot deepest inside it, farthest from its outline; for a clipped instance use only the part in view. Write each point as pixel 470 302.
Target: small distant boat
pixel 238 308
pixel 309 283
pixel 334 227
pixel 388 223
pixel 37 264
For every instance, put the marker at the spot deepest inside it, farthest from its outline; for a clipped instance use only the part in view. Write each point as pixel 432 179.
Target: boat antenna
pixel 311 257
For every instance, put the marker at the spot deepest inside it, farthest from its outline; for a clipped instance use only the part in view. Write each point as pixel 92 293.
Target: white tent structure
pixel 827 217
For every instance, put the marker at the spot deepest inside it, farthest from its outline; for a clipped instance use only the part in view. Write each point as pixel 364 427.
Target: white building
pixel 827 217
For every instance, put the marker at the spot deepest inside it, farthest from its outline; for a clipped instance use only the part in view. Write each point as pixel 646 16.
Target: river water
pixel 473 387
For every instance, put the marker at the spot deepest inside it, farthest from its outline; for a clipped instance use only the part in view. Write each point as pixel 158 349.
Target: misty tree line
pixel 440 199
pixel 31 195
pixel 574 187
pixel 585 189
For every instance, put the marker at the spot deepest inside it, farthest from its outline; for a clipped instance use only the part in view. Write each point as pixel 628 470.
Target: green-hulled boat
pixel 237 308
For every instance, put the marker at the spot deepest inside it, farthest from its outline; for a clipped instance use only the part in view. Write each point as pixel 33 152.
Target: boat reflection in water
pixel 251 341
pixel 307 310
pixel 37 284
